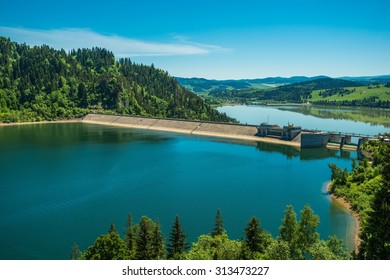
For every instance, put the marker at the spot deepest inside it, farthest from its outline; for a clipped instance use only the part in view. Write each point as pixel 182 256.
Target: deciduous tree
pixel 108 247
pixel 376 233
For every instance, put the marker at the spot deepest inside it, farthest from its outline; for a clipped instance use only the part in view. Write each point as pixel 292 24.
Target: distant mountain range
pixel 297 92
pixel 201 85
pixel 320 91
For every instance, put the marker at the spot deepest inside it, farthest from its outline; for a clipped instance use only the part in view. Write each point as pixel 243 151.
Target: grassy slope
pixel 366 115
pixel 383 93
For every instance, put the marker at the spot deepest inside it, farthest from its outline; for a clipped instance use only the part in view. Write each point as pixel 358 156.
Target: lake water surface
pixel 368 121
pixel 65 183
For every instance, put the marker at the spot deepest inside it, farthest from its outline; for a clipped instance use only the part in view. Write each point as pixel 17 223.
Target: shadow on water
pixel 288 151
pixel 304 154
pixel 376 116
pixel 57 135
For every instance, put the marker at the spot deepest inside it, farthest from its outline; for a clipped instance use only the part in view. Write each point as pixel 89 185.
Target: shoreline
pixel 198 133
pixel 347 206
pixel 42 122
pixel 166 129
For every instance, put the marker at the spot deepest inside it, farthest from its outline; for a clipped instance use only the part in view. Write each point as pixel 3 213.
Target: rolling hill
pixel 42 83
pixel 297 93
pixel 205 86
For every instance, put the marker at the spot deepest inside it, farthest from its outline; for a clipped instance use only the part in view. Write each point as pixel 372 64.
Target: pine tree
pixel 177 240
pixel 112 228
pixel 158 244
pixel 288 229
pixel 218 229
pixel 255 238
pixel 144 239
pixel 76 253
pixel 130 235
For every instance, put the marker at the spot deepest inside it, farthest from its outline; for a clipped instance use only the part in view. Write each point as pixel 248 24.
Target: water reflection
pixel 288 151
pixel 346 222
pixel 57 135
pixel 353 120
pixel 377 116
pixel 305 154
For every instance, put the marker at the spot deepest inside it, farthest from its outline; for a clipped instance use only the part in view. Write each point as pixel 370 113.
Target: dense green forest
pixel 205 86
pixel 145 241
pixel 322 91
pixel 41 83
pixel 299 92
pixel 367 189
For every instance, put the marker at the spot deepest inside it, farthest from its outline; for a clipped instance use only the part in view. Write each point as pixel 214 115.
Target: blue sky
pixel 216 39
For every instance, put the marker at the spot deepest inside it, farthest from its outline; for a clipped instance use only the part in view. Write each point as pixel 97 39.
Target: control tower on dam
pixel 313 139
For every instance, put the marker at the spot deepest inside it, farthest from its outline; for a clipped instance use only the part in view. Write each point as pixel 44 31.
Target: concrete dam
pixel 291 136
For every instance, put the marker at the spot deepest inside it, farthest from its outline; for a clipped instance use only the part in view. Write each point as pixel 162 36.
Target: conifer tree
pixel 158 244
pixel 218 229
pixel 112 228
pixel 255 238
pixel 130 235
pixel 177 240
pixel 288 229
pixel 144 239
pixel 76 253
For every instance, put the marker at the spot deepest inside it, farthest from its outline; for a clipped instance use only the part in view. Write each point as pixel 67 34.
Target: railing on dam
pixel 341 133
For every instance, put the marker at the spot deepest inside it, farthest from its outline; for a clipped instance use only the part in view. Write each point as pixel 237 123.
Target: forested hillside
pixel 367 189
pixel 297 93
pixel 323 91
pixel 41 83
pixel 202 86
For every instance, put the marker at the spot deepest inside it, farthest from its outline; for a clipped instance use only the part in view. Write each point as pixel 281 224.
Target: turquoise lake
pixel 367 121
pixel 66 183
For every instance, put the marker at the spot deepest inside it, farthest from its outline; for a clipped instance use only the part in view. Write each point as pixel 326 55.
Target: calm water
pixel 354 120
pixel 65 183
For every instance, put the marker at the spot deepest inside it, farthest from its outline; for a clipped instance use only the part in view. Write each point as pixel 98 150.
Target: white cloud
pixel 74 38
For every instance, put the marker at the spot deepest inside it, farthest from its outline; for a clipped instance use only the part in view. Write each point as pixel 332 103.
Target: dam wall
pixel 304 139
pixel 314 140
pixel 201 128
